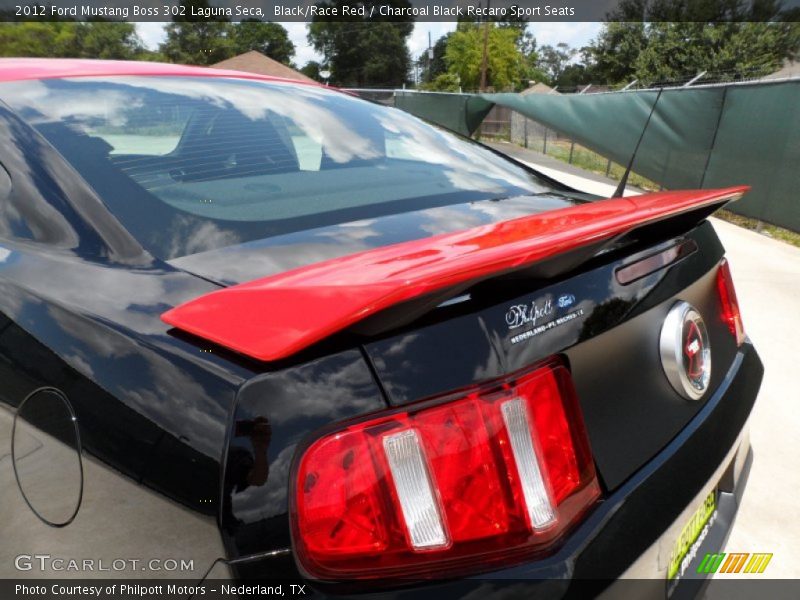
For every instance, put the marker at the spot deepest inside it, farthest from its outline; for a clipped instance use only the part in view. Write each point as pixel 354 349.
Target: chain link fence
pixel 502 123
pixel 505 124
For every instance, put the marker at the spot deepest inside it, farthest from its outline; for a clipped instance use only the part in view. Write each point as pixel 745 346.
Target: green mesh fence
pixel 758 142
pixel 461 113
pixel 698 137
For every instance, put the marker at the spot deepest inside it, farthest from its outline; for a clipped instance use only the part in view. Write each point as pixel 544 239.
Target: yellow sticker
pixel 690 532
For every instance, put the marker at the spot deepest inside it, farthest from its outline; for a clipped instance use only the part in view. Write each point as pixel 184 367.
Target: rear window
pixel 189 164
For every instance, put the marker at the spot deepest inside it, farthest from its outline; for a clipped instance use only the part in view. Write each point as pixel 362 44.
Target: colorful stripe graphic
pixel 736 561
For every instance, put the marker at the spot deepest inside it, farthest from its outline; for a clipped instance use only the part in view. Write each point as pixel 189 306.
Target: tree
pixel 312 69
pixel 697 11
pixel 526 44
pixel 611 57
pixel 573 76
pixel 71 39
pixel 728 38
pixel 362 51
pixel 506 67
pixel 271 39
pixel 728 51
pixel 432 67
pixel 36 38
pixel 553 60
pixel 199 42
pixel 444 82
pixel 109 40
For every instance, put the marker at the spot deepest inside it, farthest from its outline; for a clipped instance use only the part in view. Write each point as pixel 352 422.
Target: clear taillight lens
pixel 491 476
pixel 728 302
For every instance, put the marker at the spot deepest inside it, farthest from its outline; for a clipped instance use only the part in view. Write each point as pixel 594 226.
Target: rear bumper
pixel 623 548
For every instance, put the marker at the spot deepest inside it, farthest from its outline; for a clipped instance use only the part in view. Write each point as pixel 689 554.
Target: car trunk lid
pixel 453 327
pixel 277 316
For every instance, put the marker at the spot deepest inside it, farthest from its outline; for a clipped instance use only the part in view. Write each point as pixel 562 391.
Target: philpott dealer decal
pixel 540 316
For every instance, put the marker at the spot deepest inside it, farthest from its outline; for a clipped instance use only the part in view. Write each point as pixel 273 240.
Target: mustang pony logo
pixel 523 314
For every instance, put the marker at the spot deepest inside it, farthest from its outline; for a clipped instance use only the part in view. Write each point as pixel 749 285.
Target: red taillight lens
pixel 461 483
pixel 728 302
pixel 455 437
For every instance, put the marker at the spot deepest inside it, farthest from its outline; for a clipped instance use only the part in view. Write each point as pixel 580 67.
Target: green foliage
pixel 150 56
pixel 70 39
pixel 444 82
pixel 697 11
pixel 360 51
pixel 729 50
pixel 612 55
pixel 553 60
pixel 431 68
pixel 214 39
pixel 524 64
pixel 588 160
pixel 680 39
pixel 526 44
pixel 198 43
pixel 312 69
pixel 573 76
pixel 271 39
pixel 109 40
pixel 507 67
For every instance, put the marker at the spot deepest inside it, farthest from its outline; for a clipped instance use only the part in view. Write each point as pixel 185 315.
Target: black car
pixel 273 329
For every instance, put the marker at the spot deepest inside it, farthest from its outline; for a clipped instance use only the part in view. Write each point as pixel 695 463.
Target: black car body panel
pixel 619 532
pixel 80 306
pixel 469 342
pixel 81 298
pixel 613 338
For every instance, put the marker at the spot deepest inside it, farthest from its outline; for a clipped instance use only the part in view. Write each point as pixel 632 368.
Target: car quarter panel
pixel 288 405
pixel 118 518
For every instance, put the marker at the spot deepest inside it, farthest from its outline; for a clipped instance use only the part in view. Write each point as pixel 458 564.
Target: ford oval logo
pixel 566 301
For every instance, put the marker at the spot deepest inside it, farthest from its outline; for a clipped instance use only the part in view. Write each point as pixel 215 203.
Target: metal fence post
pixel 544 146
pixel 526 131
pixel 608 167
pixel 571 150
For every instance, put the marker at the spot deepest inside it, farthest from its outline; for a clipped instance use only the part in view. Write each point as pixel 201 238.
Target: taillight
pixel 728 302
pixel 490 476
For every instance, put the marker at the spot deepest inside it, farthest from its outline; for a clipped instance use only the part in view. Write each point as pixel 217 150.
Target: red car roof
pixel 18 69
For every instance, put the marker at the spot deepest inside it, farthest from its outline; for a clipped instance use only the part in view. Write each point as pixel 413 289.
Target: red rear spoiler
pixel 277 316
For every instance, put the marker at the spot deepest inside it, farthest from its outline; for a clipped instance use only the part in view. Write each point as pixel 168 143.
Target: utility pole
pixel 485 60
pixel 429 61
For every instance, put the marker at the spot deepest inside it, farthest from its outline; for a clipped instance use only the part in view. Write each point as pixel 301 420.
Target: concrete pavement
pixel 766 273
pixel 568 174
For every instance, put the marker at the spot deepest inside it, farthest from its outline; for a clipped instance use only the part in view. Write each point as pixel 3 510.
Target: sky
pixel 574 34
